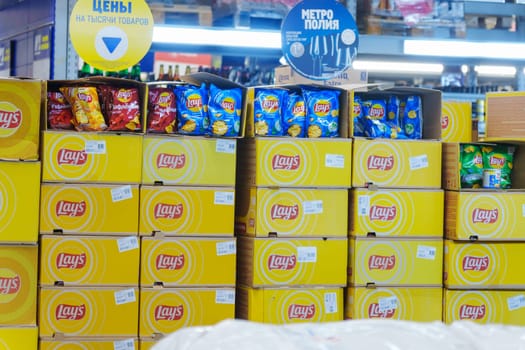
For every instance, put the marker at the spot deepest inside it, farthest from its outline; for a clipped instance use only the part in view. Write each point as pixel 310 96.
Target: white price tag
pixel 312 207
pixel 125 296
pixel 121 193
pixel 523 210
pixel 95 147
pixel 127 344
pixel 363 205
pixel 426 252
pixel 516 302
pixel 225 146
pixel 226 248
pixel 224 296
pixel 418 162
pixel 388 303
pixel 127 243
pixel 334 161
pixel 330 303
pixel 306 254
pixel 224 198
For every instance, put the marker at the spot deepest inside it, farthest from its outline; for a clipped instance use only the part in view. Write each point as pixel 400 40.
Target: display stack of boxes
pixel 396 225
pixel 291 221
pixel 90 254
pixel 19 202
pixel 484 226
pixel 188 259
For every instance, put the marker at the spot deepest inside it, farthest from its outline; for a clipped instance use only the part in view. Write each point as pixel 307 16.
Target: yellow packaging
pixel 89 260
pixel 164 311
pixel 290 305
pixel 485 306
pixel 396 262
pixel 292 212
pixel 485 216
pixel 407 304
pixel 93 209
pixel 484 265
pixel 147 344
pixel 91 157
pixel 18 338
pixel 266 262
pixel 79 312
pixel 18 285
pixel 456 121
pixel 402 212
pixel 295 162
pixel 20 114
pixel 176 262
pixel 396 163
pixel 189 161
pixel 19 201
pixel 173 210
pixel 89 344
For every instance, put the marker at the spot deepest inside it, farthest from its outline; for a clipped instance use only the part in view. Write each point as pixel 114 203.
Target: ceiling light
pixel 398 67
pixel 495 71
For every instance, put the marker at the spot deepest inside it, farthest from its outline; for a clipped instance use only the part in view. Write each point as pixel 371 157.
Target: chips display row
pixel 393 117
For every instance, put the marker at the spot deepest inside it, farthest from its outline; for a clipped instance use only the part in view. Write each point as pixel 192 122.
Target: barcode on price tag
pixel 330 303
pixel 225 146
pixel 127 344
pixel 125 296
pixel 312 207
pixel 121 193
pixel 306 254
pixel 226 248
pixel 363 205
pixel 334 161
pixel 224 296
pixel 388 303
pixel 95 147
pixel 127 243
pixel 224 198
pixel 418 162
pixel 516 302
pixel 425 252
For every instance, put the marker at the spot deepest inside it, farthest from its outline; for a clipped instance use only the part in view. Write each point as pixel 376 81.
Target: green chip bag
pixel 500 157
pixel 471 169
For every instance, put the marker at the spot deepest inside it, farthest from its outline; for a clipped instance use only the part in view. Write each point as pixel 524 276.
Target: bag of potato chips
pixel 322 112
pixel 500 157
pixel 192 109
pixel 86 108
pixel 471 170
pixel 224 109
pixel 294 115
pixel 267 108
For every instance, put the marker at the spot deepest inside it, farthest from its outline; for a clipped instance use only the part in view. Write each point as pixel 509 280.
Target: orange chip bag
pixel 86 108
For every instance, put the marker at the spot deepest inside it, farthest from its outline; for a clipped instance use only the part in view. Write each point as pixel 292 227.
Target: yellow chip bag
pixel 86 108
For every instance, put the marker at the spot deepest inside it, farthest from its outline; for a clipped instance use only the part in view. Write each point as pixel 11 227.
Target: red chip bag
pixel 123 109
pixel 59 113
pixel 162 111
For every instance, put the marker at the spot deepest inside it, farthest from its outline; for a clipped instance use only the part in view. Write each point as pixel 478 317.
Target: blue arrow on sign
pixel 111 43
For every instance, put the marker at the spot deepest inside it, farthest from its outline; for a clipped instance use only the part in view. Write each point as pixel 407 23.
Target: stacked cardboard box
pixel 396 226
pixel 19 202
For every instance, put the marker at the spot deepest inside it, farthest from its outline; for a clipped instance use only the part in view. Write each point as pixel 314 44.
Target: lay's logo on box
pixel 456 121
pixel 171 161
pixel 70 312
pixel 10 118
pixel 484 216
pixel 475 263
pixel 71 157
pixel 374 311
pixel 472 312
pixel 286 162
pixel 282 262
pixel 169 312
pixel 378 262
pixel 382 163
pixel 9 285
pixel 301 312
pixel 170 262
pixel 71 261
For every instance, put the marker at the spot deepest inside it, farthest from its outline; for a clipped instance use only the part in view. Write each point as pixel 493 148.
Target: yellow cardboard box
pixel 164 311
pixel 20 114
pixel 84 157
pixel 408 304
pixel 290 305
pixel 177 262
pixel 89 208
pixel 487 215
pixel 18 338
pixel 147 344
pixel 19 201
pixel 478 265
pixel 485 306
pixel 96 311
pixel 295 162
pixel 186 160
pixel 89 344
pixel 172 210
pixel 396 262
pixel 292 212
pixel 456 121
pixel 89 260
pixel 396 163
pixel 18 284
pixel 392 213
pixel 266 262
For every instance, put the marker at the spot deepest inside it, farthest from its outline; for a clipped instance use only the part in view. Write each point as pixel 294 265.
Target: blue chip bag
pixel 357 115
pixel 392 110
pixel 224 109
pixel 322 112
pixel 412 122
pixel 192 109
pixel 294 115
pixel 268 107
